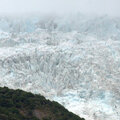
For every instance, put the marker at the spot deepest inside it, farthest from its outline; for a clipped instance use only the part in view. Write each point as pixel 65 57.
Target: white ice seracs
pixel 77 69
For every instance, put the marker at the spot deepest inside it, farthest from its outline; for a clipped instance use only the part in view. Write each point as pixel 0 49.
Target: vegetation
pixel 20 105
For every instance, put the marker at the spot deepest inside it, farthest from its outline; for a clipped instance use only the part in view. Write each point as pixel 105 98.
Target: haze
pixel 109 7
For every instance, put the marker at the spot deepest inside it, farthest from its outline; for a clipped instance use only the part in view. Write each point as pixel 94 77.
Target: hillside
pixel 20 105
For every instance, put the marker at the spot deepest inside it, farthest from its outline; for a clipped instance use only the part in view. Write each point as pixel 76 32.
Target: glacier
pixel 74 60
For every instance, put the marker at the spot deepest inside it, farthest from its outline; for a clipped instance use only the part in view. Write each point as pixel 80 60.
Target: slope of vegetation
pixel 21 105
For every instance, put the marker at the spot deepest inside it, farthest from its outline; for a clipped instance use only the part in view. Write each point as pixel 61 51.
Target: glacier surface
pixel 74 60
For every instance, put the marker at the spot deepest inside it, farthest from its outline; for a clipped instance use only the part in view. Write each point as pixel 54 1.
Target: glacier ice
pixel 76 63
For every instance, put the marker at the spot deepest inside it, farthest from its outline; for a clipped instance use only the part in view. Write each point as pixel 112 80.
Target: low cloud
pixel 110 7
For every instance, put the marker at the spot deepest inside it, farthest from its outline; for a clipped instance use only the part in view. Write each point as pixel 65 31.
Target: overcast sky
pixel 110 7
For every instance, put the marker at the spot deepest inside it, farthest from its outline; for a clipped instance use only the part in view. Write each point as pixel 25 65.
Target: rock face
pixel 77 65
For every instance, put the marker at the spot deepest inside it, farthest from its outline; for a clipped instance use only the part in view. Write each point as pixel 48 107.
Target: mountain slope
pixel 20 105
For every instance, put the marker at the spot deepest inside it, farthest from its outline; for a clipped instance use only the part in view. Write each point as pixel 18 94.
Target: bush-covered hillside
pixel 20 105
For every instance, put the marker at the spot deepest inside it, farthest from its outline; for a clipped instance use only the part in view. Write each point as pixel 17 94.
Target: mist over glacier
pixel 73 59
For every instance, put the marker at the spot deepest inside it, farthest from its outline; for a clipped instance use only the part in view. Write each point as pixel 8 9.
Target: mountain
pixel 21 105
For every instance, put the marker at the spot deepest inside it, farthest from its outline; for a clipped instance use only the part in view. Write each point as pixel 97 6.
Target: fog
pixel 109 7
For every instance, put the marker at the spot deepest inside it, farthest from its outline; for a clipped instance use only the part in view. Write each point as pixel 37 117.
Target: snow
pixel 74 64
